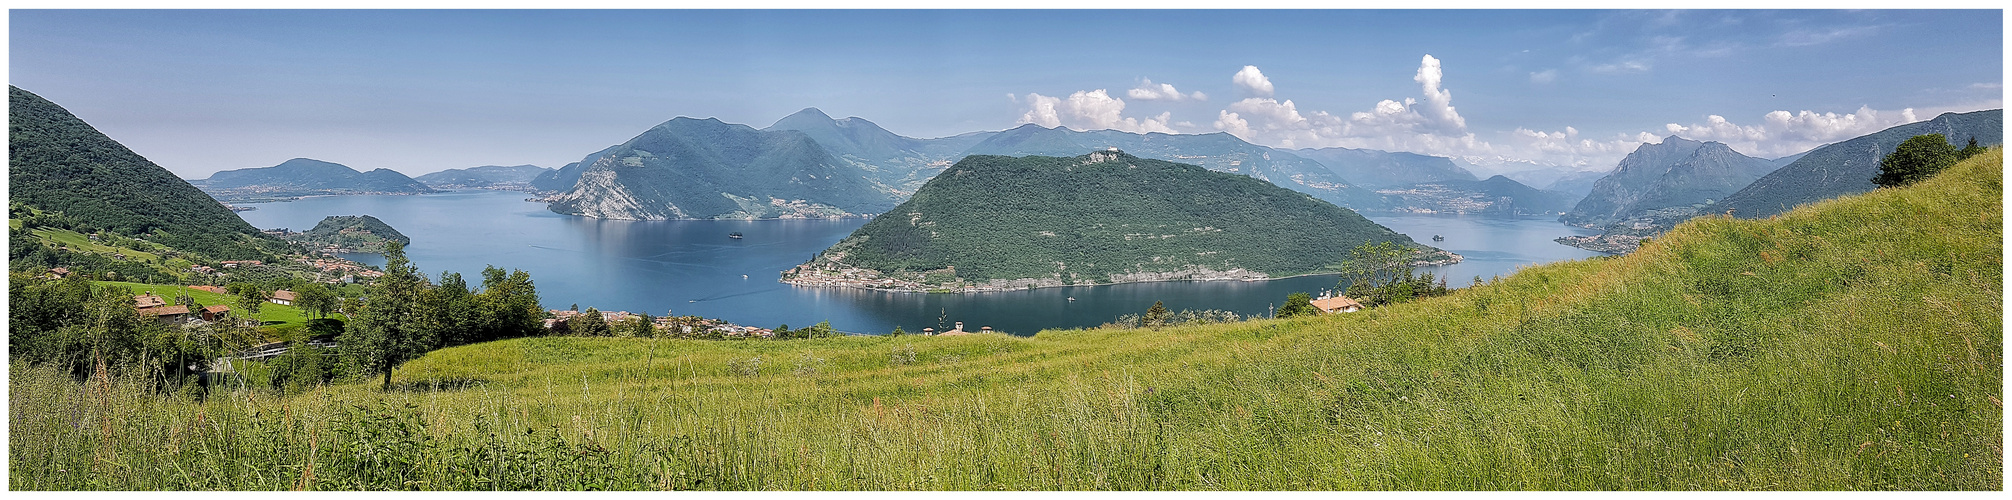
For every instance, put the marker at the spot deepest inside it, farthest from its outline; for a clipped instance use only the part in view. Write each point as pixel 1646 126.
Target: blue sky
pixel 421 91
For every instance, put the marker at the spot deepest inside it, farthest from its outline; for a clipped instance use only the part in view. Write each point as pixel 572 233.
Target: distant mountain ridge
pixel 1218 151
pixel 1385 169
pixel 306 177
pixel 895 166
pixel 1848 167
pixel 1497 195
pixel 484 176
pixel 1675 174
pixel 1004 223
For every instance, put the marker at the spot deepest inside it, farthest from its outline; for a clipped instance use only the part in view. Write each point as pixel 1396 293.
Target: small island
pixel 998 223
pixel 347 234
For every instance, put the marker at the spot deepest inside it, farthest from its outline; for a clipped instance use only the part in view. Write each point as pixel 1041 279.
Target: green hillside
pixel 1852 344
pixel 1103 217
pixel 58 163
pixel 351 233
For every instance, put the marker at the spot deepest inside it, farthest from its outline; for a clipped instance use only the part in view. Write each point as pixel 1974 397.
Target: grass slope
pixel 1852 344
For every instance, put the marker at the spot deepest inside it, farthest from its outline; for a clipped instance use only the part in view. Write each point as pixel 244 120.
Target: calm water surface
pixel 692 267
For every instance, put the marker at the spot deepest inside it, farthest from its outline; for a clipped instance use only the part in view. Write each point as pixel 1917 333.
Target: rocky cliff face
pixel 1674 174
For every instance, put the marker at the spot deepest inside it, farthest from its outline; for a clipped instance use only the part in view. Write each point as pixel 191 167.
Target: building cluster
pixel 339 270
pixel 153 306
pixel 956 330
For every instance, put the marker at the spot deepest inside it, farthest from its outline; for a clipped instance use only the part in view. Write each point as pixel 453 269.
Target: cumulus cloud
pixel 1041 110
pixel 1148 91
pixel 1781 133
pixel 1253 82
pixel 1428 122
pixel 1089 110
pixel 1546 76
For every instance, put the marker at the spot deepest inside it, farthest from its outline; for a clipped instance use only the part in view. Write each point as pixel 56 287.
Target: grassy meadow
pixel 1851 344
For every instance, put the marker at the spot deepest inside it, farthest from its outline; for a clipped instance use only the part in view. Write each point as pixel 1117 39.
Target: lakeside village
pixel 819 274
pixel 557 321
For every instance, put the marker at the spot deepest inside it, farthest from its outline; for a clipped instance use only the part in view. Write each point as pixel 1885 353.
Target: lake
pixel 692 267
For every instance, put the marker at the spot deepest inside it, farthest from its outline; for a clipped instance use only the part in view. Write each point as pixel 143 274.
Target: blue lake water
pixel 692 267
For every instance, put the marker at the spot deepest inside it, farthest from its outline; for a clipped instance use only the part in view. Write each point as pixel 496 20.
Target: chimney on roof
pixel 960 326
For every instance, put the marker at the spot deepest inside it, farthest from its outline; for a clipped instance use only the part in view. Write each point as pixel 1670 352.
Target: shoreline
pixel 859 284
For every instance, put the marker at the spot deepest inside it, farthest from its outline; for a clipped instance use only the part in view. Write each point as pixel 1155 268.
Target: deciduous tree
pixel 1917 158
pixel 391 326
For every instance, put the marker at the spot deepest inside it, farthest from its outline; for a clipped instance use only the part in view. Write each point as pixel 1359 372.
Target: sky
pixel 199 91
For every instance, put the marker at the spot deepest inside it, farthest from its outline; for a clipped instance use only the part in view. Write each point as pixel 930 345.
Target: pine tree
pixel 1156 316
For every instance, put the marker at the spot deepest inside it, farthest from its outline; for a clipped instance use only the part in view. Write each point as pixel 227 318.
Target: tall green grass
pixel 1853 344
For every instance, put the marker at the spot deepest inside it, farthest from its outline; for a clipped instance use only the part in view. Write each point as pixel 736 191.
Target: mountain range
pixel 895 166
pixel 1003 223
pixel 484 176
pixel 305 177
pixel 1848 167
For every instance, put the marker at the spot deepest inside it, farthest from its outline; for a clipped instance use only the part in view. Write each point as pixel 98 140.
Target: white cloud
pixel 1629 66
pixel 1781 133
pixel 1041 111
pixel 1148 91
pixel 1430 124
pixel 1252 81
pixel 1546 76
pixel 1089 110
pixel 1438 101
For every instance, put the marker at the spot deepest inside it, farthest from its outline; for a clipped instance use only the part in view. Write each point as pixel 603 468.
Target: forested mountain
pixel 304 177
pixel 351 233
pixel 1219 151
pixel 706 169
pixel 1848 167
pixel 1386 169
pixel 56 162
pixel 483 176
pixel 1498 195
pixel 1103 217
pixel 1676 174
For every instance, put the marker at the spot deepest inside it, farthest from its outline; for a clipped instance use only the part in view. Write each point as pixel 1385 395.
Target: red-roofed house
pixel 1337 304
pixel 148 300
pixel 282 297
pixel 212 313
pixel 167 314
